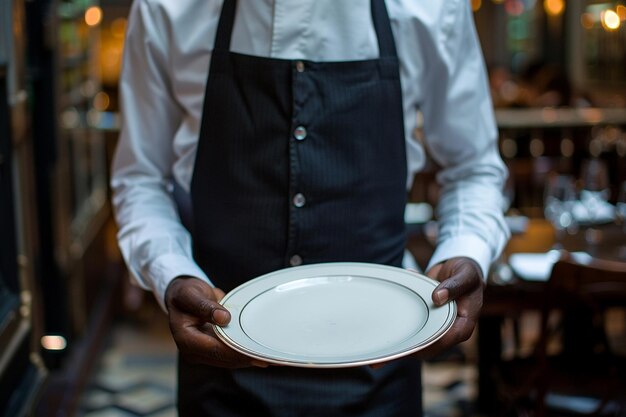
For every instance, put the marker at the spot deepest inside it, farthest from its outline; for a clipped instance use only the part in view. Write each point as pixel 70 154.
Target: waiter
pixel 260 135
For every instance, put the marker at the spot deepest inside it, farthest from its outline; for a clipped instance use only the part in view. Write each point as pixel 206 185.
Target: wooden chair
pixel 573 371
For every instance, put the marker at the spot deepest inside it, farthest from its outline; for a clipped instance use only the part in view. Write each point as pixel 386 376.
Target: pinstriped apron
pixel 299 162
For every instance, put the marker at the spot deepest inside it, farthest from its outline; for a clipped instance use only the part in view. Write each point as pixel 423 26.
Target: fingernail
pixel 221 316
pixel 259 364
pixel 441 296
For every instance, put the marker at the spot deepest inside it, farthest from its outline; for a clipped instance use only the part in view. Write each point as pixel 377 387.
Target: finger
pixel 434 271
pixel 219 294
pixel 460 331
pixel 195 341
pixel 200 302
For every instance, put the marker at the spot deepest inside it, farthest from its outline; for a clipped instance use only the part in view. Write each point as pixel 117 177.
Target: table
pixel 510 295
pixel 505 298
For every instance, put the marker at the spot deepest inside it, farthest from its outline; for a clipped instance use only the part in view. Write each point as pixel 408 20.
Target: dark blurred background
pixel 557 73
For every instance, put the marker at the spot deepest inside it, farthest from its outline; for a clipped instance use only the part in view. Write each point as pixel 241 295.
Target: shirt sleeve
pixel 461 136
pixel 155 245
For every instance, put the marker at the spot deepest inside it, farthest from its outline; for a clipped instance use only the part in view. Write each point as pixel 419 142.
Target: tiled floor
pixel 137 373
pixel 136 376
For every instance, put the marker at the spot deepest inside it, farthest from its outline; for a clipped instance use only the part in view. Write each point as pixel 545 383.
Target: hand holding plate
pixel 193 308
pixel 461 280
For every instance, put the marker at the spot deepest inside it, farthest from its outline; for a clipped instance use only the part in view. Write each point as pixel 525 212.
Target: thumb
pixel 198 299
pixel 458 276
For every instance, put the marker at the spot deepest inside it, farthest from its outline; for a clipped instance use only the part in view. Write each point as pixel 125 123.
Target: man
pixel 287 126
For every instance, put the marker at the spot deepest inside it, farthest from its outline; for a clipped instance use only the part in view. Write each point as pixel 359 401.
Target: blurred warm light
pixel 610 20
pixel 621 12
pixel 595 147
pixel 509 90
pixel 508 148
pixel 554 7
pixel 118 27
pixel 586 20
pixel 567 147
pixel 94 117
pixel 514 7
pixel 592 116
pixel 536 147
pixel 88 88
pixel 476 5
pixel 498 1
pixel 52 342
pixel 113 56
pixel 101 101
pixel 70 118
pixel 549 115
pixel 93 16
pixel 111 50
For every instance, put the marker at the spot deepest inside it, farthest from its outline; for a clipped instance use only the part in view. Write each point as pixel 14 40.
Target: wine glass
pixel 595 191
pixel 559 200
pixel 620 205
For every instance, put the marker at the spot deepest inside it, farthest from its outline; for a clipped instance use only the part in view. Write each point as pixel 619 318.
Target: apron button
pixel 299 66
pixel 295 260
pixel 299 200
pixel 299 133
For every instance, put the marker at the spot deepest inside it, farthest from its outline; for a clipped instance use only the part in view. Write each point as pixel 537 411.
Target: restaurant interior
pixel 78 339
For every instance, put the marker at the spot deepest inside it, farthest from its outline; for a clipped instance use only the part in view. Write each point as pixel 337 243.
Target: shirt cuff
pixel 166 268
pixel 468 246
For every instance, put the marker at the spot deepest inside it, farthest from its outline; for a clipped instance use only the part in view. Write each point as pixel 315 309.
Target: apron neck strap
pixel 380 17
pixel 225 26
pixel 382 26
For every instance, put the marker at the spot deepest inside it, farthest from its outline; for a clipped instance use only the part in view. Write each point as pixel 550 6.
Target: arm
pixel 461 136
pixel 156 246
pixel 154 243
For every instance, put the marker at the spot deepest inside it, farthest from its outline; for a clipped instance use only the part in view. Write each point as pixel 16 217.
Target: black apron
pixel 299 162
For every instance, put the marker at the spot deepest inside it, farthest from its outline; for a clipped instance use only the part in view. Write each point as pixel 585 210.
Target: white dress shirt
pixel 166 61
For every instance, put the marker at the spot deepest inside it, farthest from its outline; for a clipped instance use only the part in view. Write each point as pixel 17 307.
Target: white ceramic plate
pixel 334 315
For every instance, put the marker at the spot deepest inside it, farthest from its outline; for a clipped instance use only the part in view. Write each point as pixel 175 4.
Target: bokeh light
pixel 93 16
pixel 118 27
pixel 514 7
pixel 53 342
pixel 536 147
pixel 101 101
pixel 554 7
pixel 621 12
pixel 567 147
pixel 586 20
pixel 610 20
